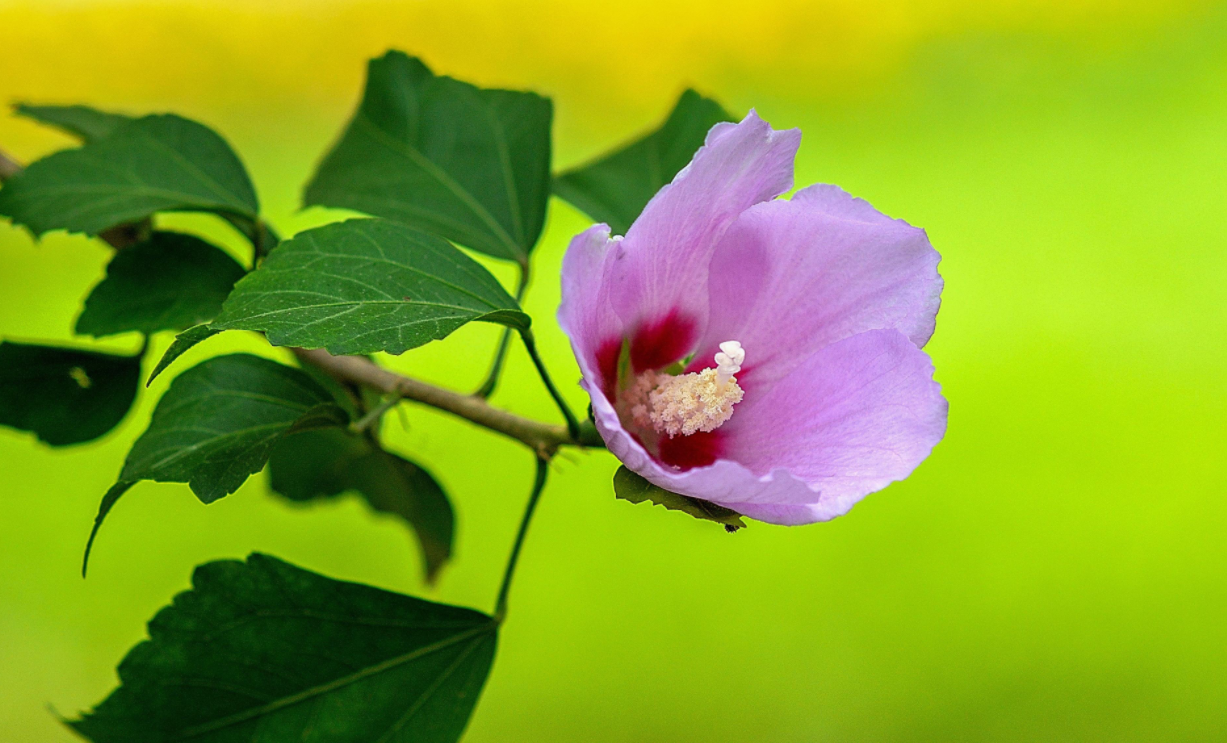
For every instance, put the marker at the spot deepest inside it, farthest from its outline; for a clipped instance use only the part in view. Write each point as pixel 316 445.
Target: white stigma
pixel 689 403
pixel 728 361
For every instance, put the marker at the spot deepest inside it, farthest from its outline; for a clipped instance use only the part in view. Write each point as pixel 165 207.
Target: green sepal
pixel 631 487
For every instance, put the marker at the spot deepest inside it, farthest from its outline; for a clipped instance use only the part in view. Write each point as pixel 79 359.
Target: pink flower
pixel 821 394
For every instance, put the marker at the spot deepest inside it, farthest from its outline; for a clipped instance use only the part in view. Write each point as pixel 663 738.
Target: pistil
pixel 688 403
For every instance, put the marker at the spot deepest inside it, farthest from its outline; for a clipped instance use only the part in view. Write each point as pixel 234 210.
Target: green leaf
pixel 363 286
pixel 467 163
pixel 217 423
pixel 156 163
pixel 631 487
pixel 83 122
pixel 614 188
pixel 63 395
pixel 324 464
pixel 263 650
pixel 171 281
pixel 353 398
pixel 258 233
pixel 109 499
pixel 182 343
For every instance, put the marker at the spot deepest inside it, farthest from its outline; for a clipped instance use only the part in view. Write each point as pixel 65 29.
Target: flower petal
pixel 659 280
pixel 724 481
pixel 786 514
pixel 585 313
pixel 852 418
pixel 856 416
pixel 790 277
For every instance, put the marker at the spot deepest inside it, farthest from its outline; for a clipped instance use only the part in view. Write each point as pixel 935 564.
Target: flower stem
pixel 487 387
pixel 500 605
pixel 531 346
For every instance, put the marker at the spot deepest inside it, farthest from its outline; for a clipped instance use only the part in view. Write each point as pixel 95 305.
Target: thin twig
pixel 500 605
pixel 373 416
pixel 542 438
pixel 8 166
pixel 496 369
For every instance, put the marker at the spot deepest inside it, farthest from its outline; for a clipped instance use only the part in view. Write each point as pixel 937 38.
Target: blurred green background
pixel 1055 571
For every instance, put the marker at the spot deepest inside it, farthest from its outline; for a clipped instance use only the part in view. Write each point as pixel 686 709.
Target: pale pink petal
pixel 789 277
pixel 585 313
pixel 787 514
pixel 849 420
pixel 722 481
pixel 658 282
pixel 830 298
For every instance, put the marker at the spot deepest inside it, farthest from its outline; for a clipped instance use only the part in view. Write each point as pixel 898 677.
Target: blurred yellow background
pixel 1055 571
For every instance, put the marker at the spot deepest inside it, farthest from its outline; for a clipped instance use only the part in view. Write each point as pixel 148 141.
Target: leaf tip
pixel 108 502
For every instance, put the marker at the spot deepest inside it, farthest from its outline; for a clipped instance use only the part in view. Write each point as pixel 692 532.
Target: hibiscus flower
pixel 760 353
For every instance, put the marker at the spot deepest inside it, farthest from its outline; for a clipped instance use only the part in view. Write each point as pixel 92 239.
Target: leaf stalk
pixel 496 369
pixel 572 422
pixel 374 414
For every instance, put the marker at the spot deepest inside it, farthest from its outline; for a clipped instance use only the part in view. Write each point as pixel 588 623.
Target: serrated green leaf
pixel 264 650
pixel 470 164
pixel 182 343
pixel 171 281
pixel 614 188
pixel 155 163
pixel 324 464
pixel 363 286
pixel 631 487
pixel 218 422
pixel 65 396
pixel 83 122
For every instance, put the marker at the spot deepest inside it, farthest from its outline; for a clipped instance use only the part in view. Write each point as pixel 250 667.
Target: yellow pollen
pixel 685 404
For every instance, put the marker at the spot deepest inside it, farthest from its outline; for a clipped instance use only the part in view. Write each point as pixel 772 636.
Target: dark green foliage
pixel 182 343
pixel 151 164
pixel 65 396
pixel 614 188
pixel 217 424
pixel 169 282
pixel 467 163
pixel 263 650
pixel 326 463
pixel 218 421
pixel 363 286
pixel 631 487
pixel 83 122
